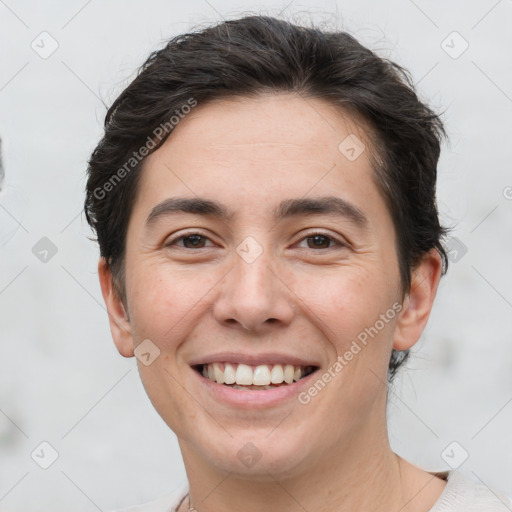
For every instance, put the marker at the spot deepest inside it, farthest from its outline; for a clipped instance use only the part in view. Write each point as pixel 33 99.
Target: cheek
pixel 164 300
pixel 343 297
pixel 346 304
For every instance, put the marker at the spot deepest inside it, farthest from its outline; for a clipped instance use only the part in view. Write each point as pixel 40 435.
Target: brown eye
pixel 194 240
pixel 321 241
pixel 190 241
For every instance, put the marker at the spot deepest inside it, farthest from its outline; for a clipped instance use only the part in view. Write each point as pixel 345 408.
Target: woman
pixel 264 201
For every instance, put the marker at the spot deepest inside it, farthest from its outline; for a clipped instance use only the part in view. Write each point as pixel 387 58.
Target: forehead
pixel 280 123
pixel 272 139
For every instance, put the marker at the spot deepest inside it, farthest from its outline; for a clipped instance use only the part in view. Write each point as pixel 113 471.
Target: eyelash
pixel 338 242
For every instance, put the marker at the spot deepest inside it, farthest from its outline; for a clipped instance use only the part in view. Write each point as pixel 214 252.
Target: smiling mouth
pixel 259 377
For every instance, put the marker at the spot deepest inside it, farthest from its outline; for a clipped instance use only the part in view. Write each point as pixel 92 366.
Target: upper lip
pixel 253 359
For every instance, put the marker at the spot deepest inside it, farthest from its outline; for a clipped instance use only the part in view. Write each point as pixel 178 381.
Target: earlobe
pixel 117 316
pixel 418 302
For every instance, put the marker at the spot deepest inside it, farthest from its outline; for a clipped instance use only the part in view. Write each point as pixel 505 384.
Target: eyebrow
pixel 325 205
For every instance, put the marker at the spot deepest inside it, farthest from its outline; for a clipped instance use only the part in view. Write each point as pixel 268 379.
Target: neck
pixel 362 474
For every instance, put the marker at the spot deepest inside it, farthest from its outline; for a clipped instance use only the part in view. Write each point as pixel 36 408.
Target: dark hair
pixel 257 54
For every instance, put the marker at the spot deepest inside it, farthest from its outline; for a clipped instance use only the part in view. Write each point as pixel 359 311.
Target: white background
pixel 62 380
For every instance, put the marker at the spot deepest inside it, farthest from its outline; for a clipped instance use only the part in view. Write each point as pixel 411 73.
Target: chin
pixel 259 457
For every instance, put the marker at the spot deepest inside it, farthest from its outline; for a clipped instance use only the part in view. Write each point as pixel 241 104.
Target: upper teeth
pixel 261 375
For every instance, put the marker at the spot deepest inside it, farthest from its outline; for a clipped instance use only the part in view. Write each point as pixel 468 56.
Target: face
pixel 293 264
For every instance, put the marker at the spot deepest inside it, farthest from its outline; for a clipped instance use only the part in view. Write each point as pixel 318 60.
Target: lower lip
pixel 253 399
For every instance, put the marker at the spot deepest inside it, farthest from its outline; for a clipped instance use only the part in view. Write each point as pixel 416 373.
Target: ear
pixel 418 302
pixel 118 319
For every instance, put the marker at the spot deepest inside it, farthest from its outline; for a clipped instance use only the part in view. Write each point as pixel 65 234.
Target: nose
pixel 254 296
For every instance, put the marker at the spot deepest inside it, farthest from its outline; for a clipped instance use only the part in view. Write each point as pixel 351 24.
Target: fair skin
pixel 299 298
